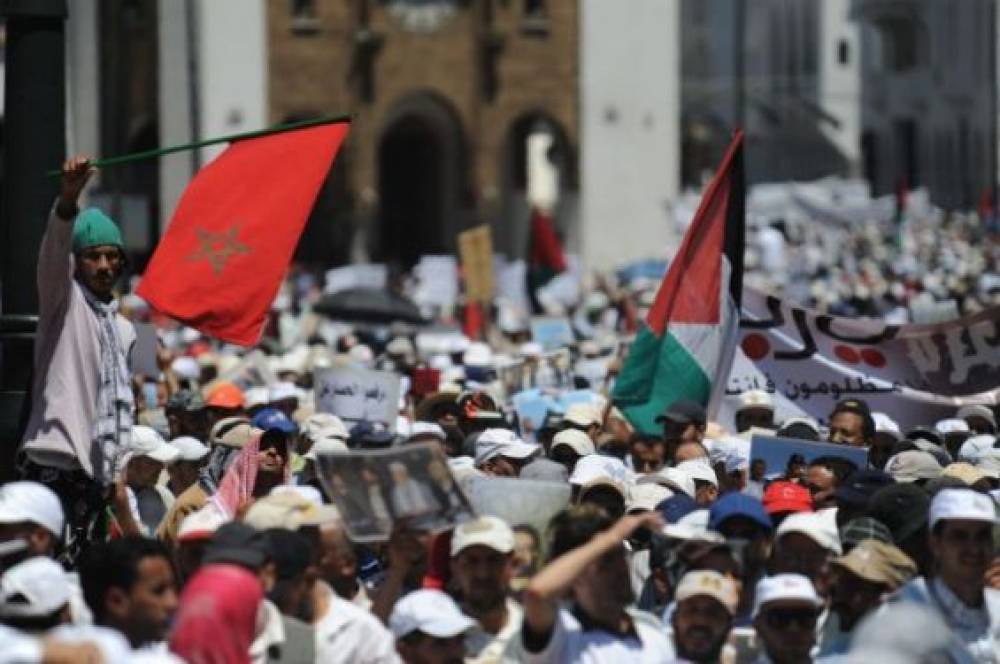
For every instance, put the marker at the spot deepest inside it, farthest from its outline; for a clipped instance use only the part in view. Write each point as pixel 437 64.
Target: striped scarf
pixel 115 401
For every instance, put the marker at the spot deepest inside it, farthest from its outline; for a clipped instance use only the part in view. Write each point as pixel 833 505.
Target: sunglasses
pixel 784 618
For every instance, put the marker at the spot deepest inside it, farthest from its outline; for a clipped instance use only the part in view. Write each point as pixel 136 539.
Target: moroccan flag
pixel 685 348
pixel 545 253
pixel 221 262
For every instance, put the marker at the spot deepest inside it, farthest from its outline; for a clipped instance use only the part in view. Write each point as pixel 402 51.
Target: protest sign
pixel 373 489
pixel 519 502
pixel 364 275
pixel 914 373
pixel 437 278
pixel 356 395
pixel 552 332
pixel 776 452
pixel 475 247
pixel 145 350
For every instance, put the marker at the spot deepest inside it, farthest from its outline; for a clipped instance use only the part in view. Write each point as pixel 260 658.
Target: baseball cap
pixel 582 415
pixel 33 588
pixel 708 583
pixel 856 406
pixel 819 527
pixel 755 399
pixel 965 472
pixel 574 439
pixel 238 543
pixel 33 503
pixel 646 497
pixel 324 424
pixel 785 496
pixel 488 531
pixel 595 469
pixel 672 478
pixel 952 425
pixel 289 510
pixel 925 432
pixel 427 430
pixel 902 508
pixel 963 505
pixel 860 486
pixel 225 395
pixel 863 528
pixel 735 504
pixel 272 419
pixel 200 525
pixel 684 411
pixel 878 562
pixel 189 448
pixel 256 397
pixel 965 412
pixel 189 401
pixel 283 390
pixel 803 428
pixel 699 471
pixel 326 443
pixel 676 507
pixel 887 425
pixel 785 588
pixel 145 441
pixel 912 466
pixel 186 367
pixel 974 446
pixel 431 612
pixel 502 442
pixel 234 432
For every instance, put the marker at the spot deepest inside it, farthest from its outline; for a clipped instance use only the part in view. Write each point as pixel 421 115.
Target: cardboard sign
pixel 358 395
pixel 475 247
pixel 776 452
pixel 373 489
pixel 368 275
pixel 552 332
pixel 519 502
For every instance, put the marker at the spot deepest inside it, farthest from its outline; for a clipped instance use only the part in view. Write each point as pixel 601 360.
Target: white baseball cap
pixel 256 396
pixel 283 390
pixel 785 588
pixel 34 588
pixel 324 424
pixel 646 496
pixel 574 439
pixel 913 465
pixel 502 442
pixel 975 446
pixel 189 448
pixel 31 502
pixel 582 415
pixel 489 531
pixel 326 443
pixel 820 527
pixel 672 478
pixel 962 504
pixel 887 425
pixel 596 469
pixel 977 410
pixel 709 583
pixel 186 367
pixel 952 425
pixel 699 470
pixel 426 430
pixel 148 443
pixel 431 612
pixel 200 525
pixel 290 511
pixel 754 399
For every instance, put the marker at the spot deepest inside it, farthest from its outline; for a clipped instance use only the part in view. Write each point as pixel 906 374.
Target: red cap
pixel 786 496
pixel 225 395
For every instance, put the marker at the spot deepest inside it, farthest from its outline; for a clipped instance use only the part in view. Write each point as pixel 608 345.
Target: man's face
pixel 483 577
pixel 682 432
pixel 795 553
pixel 183 474
pixel 821 484
pixel 749 418
pixel 847 429
pixel 40 542
pixel 273 452
pixel 788 630
pixel 98 268
pixel 963 550
pixel 701 626
pixel 881 449
pixel 705 493
pixel 143 472
pixel 565 456
pixel 604 588
pixel 501 466
pixel 338 565
pixel 190 423
pixel 647 456
pixel 757 470
pixel 430 650
pixel 144 611
pixel 852 597
pixel 606 498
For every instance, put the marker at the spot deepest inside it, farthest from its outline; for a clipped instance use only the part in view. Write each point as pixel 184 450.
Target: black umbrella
pixel 369 305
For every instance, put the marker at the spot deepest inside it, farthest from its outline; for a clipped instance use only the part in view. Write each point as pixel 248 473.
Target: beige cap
pixel 878 562
pixel 965 472
pixel 289 510
pixel 709 583
pixel 576 440
pixel 582 415
pixel 489 531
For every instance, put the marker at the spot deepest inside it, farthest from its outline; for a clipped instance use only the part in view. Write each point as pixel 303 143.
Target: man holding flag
pixel 82 400
pixel 684 350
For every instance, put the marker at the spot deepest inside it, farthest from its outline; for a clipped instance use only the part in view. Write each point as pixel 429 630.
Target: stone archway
pixel 421 184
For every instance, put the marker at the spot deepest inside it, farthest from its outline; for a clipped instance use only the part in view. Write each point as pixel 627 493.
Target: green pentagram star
pixel 217 248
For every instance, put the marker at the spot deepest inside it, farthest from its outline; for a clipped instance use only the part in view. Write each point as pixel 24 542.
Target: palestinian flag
pixel 685 348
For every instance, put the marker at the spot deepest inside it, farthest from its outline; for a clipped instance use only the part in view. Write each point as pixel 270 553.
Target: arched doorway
pixel 420 166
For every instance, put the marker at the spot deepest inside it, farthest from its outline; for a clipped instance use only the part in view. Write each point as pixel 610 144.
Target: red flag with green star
pixel 220 264
pixel 685 349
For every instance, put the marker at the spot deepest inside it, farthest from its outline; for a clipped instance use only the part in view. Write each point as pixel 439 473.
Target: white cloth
pixel 67 363
pixel 350 635
pixel 481 647
pixel 570 643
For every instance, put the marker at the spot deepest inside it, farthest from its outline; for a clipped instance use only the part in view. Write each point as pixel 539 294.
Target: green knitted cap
pixel 93 228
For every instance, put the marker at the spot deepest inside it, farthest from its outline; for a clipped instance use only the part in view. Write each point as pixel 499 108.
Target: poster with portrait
pixel 373 489
pixel 779 453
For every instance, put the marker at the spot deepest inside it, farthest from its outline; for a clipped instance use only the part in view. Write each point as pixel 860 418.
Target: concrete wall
pixel 840 80
pixel 630 129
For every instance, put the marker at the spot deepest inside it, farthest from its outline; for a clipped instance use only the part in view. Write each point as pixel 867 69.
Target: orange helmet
pixel 225 395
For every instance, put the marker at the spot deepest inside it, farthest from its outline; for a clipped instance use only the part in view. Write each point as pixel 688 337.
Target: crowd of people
pixel 192 515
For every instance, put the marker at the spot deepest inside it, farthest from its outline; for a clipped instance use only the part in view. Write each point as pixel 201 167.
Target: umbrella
pixel 369 305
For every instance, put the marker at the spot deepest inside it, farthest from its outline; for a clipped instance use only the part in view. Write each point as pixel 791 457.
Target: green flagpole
pixel 159 152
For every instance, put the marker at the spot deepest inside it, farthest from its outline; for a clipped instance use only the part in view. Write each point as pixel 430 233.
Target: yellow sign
pixel 475 248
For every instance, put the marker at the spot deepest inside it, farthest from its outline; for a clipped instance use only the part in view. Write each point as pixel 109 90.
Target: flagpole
pixel 159 152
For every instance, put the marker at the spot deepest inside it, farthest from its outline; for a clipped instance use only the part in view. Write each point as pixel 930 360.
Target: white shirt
pixel 481 647
pixel 270 630
pixel 570 643
pixel 351 635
